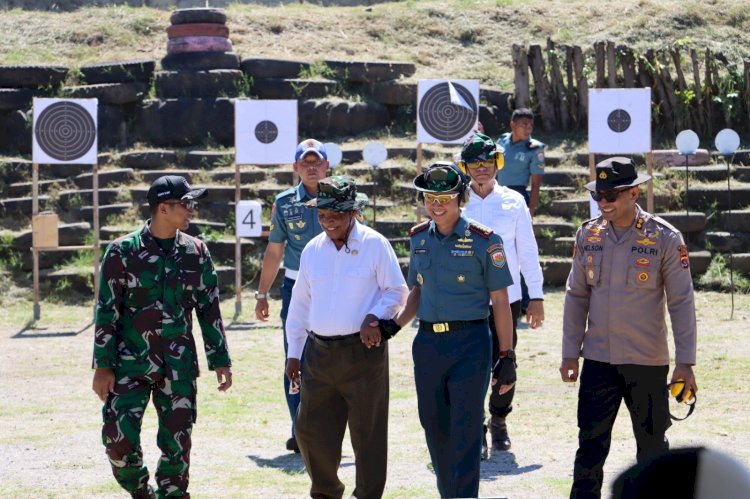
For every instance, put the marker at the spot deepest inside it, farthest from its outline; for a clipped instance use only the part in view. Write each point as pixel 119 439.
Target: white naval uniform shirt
pixel 505 212
pixel 336 290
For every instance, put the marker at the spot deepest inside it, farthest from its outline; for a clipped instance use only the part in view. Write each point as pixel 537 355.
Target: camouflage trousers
pixel 175 406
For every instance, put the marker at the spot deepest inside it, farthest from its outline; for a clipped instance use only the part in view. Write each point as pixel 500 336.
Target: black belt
pixel 329 341
pixel 444 327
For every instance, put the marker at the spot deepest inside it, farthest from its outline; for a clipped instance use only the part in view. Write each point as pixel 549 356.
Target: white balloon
pixel 375 153
pixel 333 151
pixel 687 142
pixel 727 141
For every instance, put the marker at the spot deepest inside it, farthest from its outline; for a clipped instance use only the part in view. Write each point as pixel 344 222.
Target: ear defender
pixel 462 166
pixel 499 160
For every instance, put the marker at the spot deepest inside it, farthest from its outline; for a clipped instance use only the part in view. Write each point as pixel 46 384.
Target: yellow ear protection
pixel 683 396
pixel 499 163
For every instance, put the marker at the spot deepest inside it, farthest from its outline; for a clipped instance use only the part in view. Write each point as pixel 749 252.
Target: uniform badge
pixel 589 259
pixel 498 258
pixel 540 157
pixel 420 279
pixel 270 228
pixel 298 237
pixel 461 278
pixel 684 260
pixel 643 262
pixel 639 223
pixel 591 273
pixel 645 241
pixel 291 225
pixel 603 175
pixel 467 233
pixel 421 251
pixel 421 243
pixel 301 224
pixel 643 276
pixel 355 252
pixel 593 239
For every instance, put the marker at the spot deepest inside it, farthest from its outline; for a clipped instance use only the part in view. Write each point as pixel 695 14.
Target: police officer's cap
pixel 616 172
pixel 442 176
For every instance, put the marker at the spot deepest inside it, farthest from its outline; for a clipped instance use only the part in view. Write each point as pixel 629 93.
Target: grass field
pixel 50 419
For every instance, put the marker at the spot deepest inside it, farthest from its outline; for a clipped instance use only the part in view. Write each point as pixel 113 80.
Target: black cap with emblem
pixel 172 187
pixel 613 173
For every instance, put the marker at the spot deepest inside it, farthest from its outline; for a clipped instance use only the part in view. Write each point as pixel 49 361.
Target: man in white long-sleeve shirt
pixel 504 211
pixel 349 280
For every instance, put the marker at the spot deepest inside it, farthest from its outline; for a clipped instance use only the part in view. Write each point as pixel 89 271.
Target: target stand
pixel 64 132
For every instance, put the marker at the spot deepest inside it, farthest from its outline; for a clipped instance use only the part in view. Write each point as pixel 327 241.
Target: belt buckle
pixel 441 327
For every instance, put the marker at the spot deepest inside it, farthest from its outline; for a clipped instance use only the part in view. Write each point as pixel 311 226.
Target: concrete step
pixel 246 176
pixel 552 229
pixel 71 199
pixel 394 229
pixel 21 206
pixel 565 177
pixel 150 159
pixel 686 223
pixel 105 211
pixel 711 173
pixel 555 270
pixel 559 246
pixel 118 177
pixel 727 242
pixel 672 157
pixel 735 220
pixel 705 198
pixel 23 189
pixel 208 159
pixel 149 176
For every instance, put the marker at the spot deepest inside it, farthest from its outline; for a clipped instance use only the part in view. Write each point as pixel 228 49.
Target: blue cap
pixel 310 145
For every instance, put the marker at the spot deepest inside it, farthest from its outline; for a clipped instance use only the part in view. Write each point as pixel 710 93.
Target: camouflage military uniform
pixel 144 334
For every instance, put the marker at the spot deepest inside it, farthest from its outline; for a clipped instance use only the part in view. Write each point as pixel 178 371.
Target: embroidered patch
pixel 420 279
pixel 589 259
pixel 645 241
pixel 684 260
pixel 460 278
pixel 643 276
pixel 643 262
pixel 639 223
pixel 494 248
pixel 591 273
pixel 462 253
pixel 498 258
pixel 421 251
pixel 593 239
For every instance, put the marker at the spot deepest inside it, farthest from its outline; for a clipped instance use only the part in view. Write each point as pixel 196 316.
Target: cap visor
pixel 195 194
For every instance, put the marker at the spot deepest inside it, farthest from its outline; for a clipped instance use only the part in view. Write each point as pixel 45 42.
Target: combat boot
pixel 485 449
pixel 499 430
pixel 145 492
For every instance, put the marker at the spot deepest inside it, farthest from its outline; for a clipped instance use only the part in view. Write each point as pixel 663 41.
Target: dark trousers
pixel 452 372
pixel 602 387
pixel 343 381
pixel 292 400
pixel 502 405
pixel 175 404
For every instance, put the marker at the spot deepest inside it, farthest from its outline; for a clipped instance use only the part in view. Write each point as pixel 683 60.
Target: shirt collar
pixel 147 239
pixel 460 229
pixel 302 194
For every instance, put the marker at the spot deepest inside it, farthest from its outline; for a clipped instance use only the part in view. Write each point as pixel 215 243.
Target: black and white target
pixel 447 110
pixel 65 131
pixel 265 131
pixel 619 120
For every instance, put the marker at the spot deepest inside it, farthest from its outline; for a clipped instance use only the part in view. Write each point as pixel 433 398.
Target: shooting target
pixel 64 131
pixel 620 120
pixel 447 110
pixel 265 131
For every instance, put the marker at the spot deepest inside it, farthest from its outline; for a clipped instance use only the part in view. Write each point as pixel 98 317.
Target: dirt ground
pixel 50 419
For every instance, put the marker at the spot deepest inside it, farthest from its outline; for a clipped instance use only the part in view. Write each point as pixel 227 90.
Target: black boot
pixel 145 492
pixel 485 449
pixel 500 438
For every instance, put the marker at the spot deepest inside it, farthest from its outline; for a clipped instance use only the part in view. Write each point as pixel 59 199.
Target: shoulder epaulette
pixel 590 220
pixel 664 223
pixel 419 228
pixel 535 144
pixel 480 229
pixel 285 193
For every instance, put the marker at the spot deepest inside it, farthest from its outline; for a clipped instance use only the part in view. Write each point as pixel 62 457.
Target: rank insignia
pixel 639 223
pixel 298 237
pixel 643 262
pixel 291 225
pixel 645 241
pixel 420 279
pixel 593 239
pixel 643 276
pixel 461 278
pixel 271 227
pixel 589 259
pixel 301 224
pixel 591 273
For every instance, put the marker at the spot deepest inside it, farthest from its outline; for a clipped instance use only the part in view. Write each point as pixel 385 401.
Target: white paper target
pixel 447 110
pixel 248 217
pixel 265 131
pixel 64 131
pixel 620 120
pixel 374 153
pixel 334 154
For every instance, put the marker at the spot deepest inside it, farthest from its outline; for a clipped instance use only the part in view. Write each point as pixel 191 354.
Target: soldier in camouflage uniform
pixel 151 280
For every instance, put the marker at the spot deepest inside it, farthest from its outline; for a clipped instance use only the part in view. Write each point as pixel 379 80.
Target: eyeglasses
pixel 476 165
pixel 316 163
pixel 440 198
pixel 610 195
pixel 188 204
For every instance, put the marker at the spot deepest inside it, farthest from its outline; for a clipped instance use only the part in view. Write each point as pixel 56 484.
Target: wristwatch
pixel 511 354
pixel 259 295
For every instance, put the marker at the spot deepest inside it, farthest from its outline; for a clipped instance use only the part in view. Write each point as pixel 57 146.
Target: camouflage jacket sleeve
pixel 109 308
pixel 209 315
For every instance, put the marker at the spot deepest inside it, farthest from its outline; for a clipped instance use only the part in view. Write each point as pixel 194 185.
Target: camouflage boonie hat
pixel 338 193
pixel 479 147
pixel 439 177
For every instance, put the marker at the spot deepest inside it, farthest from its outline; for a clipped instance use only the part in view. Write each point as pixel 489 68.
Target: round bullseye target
pixel 266 132
pixel 65 131
pixel 445 117
pixel 619 120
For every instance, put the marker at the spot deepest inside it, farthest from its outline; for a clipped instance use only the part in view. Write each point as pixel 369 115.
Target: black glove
pixel 505 371
pixel 388 328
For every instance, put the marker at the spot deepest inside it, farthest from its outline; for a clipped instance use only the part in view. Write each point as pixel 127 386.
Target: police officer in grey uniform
pixel 627 265
pixel 456 266
pixel 292 225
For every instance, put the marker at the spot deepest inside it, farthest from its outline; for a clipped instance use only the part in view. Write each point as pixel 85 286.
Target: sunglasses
pixel 610 195
pixel 476 165
pixel 440 198
pixel 188 204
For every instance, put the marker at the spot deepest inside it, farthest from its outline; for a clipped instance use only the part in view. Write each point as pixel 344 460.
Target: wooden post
pixel 95 195
pixel 746 73
pixel 710 92
pixel 611 65
pixel 582 84
pixel 599 59
pixel 664 102
pixel 628 65
pixel 541 84
pixel 559 96
pixel 650 188
pixel 685 107
pixel 645 77
pixel 417 214
pixel 521 75
pixel 575 119
pixel 34 252
pixel 237 247
pixel 700 105
pixel 592 175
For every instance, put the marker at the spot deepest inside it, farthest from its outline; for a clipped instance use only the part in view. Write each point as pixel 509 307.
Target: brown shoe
pixel 499 430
